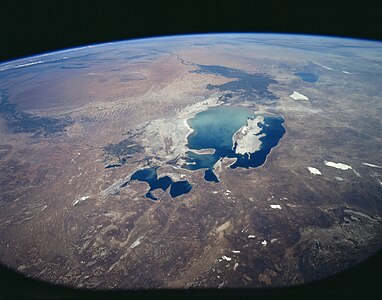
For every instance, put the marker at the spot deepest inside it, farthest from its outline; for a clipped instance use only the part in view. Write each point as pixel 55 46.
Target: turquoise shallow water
pixel 215 127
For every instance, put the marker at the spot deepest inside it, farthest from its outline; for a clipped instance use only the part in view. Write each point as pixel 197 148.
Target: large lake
pixel 214 129
pixel 150 176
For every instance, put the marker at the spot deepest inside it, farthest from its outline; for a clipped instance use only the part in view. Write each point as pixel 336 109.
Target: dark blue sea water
pixel 274 131
pixel 209 175
pixel 179 188
pixel 215 127
pixel 150 176
pixel 308 77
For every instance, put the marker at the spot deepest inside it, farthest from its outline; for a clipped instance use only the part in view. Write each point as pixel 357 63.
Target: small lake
pixel 150 176
pixel 215 127
pixel 308 77
pixel 209 175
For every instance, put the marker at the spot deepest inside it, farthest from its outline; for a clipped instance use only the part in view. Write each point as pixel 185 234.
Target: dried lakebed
pixel 213 133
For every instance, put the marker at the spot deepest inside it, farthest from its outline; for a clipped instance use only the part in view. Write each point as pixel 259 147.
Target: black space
pixel 33 27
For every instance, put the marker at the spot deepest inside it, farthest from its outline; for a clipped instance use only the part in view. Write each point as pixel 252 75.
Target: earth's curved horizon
pixel 225 160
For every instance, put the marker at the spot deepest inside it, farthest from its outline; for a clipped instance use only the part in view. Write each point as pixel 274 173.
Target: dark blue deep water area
pixel 179 188
pixel 308 77
pixel 214 129
pixel 150 176
pixel 209 175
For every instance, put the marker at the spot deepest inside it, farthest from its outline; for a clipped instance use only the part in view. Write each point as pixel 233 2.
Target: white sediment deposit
pixel 235 266
pixel 217 168
pixel 136 243
pixel 372 165
pixel 78 200
pixel 167 138
pixel 193 109
pixel 314 171
pixel 275 206
pixel 340 166
pixel 299 97
pixel 325 67
pixel 247 138
pixel 226 258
